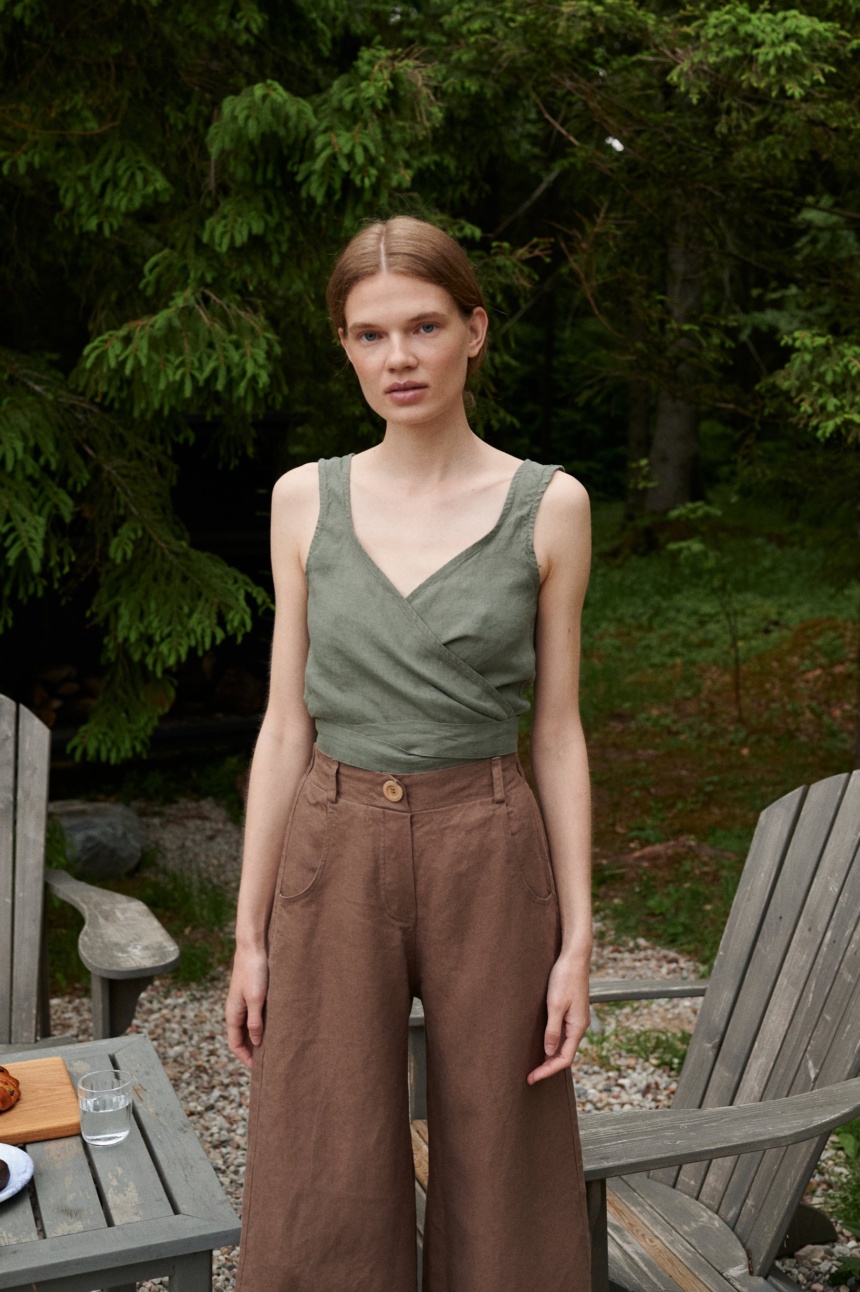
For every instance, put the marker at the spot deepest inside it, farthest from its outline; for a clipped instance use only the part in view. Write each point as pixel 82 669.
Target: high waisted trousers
pixel 434 884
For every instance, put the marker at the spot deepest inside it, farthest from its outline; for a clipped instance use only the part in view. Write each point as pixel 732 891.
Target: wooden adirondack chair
pixel 122 944
pixel 768 1072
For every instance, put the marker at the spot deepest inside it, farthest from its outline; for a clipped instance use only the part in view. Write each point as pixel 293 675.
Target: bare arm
pixel 559 759
pixel 281 756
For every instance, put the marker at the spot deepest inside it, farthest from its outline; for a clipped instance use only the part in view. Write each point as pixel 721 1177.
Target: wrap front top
pixel 434 679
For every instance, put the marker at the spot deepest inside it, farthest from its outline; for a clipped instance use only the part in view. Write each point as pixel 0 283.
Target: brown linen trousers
pixel 436 884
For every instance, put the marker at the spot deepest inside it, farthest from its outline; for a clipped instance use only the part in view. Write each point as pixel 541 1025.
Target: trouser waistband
pixel 486 779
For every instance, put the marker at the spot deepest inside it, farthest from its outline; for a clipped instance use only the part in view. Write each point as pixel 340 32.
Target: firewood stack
pixel 60 694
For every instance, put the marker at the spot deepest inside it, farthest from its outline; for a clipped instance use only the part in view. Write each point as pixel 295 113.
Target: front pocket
pixel 529 845
pixel 306 845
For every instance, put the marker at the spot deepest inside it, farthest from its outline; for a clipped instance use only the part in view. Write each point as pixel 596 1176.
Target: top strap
pixel 529 486
pixel 334 501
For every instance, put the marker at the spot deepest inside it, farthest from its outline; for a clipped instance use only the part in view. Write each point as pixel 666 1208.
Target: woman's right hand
pixel 245 999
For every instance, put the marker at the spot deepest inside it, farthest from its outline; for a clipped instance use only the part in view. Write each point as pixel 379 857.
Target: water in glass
pixel 104 1099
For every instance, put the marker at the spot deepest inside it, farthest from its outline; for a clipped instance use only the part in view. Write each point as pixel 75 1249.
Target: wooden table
pixel 107 1217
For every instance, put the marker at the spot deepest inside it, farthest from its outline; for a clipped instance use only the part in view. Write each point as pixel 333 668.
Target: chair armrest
pixel 121 937
pixel 604 989
pixel 624 1143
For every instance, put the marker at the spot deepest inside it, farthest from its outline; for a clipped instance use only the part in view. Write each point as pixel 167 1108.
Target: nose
pixel 400 352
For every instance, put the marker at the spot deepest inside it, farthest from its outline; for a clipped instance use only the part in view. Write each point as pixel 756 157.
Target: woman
pixel 393 847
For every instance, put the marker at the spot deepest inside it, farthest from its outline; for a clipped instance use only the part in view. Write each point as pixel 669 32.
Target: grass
pixel 661 1048
pixel 678 779
pixel 846 1198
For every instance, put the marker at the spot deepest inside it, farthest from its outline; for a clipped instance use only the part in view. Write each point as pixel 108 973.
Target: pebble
pixel 212 1086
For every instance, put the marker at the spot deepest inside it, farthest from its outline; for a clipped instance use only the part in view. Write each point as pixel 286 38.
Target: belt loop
pixel 331 767
pixel 498 781
pixel 334 788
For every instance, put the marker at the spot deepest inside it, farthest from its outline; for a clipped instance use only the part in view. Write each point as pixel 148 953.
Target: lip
pixel 406 392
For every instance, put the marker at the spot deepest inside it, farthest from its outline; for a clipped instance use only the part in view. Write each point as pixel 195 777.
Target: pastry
pixel 4 1175
pixel 10 1090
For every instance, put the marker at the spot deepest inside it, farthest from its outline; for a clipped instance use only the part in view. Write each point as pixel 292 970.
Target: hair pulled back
pixel 414 248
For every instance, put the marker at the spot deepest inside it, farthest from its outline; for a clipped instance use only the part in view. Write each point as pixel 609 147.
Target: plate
pixel 20 1166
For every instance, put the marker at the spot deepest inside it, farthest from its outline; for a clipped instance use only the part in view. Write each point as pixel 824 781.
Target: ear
pixel 341 336
pixel 477 326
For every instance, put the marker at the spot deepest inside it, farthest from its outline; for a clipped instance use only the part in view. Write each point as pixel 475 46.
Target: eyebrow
pixel 427 316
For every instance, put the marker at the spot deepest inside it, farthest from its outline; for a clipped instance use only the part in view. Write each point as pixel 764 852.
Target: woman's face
pixel 409 345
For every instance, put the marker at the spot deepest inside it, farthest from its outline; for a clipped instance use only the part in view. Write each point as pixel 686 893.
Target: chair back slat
pixel 752 994
pixel 31 798
pixel 790 1047
pixel 7 853
pixel 783 1174
pixel 764 863
pixel 766 855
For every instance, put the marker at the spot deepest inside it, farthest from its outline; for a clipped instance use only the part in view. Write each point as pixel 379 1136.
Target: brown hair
pixel 415 248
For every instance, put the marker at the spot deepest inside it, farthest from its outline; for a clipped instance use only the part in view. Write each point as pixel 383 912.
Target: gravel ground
pixel 213 1087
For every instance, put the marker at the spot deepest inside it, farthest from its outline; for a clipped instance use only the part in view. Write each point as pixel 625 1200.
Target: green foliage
pixel 661 1048
pixel 690 914
pixel 665 1049
pixel 191 778
pixel 56 853
pixel 647 631
pixel 197 349
pixel 704 554
pixel 195 910
pixel 178 178
pixel 782 53
pixel 822 378
pixel 846 1197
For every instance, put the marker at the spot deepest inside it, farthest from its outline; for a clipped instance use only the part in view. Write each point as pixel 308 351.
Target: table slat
pixel 190 1179
pixel 17 1223
pixel 68 1198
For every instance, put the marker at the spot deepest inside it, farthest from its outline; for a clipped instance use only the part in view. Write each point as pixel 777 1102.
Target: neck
pixel 428 452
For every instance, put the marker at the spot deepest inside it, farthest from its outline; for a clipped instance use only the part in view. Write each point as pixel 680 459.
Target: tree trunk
pixel 675 444
pixel 638 436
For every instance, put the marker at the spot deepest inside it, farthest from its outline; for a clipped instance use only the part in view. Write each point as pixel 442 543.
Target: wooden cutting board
pixel 48 1107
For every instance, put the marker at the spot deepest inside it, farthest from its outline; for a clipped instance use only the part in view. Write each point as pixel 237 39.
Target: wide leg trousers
pixel 439 885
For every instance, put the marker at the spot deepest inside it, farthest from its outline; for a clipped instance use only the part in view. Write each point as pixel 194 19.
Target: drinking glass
pixel 104 1099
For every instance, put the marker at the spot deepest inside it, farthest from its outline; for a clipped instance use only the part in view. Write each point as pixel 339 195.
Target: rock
pixel 103 840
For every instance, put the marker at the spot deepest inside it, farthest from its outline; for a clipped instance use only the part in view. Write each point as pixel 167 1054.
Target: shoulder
pixel 297 487
pixel 295 510
pixel 564 504
pixel 562 537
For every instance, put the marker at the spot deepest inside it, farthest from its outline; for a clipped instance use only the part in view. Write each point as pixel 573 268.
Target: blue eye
pixel 427 328
pixel 368 336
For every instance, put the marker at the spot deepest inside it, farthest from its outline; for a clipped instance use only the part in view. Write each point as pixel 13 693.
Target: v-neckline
pixel 449 564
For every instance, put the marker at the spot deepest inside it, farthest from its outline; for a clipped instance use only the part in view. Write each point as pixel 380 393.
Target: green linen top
pixel 434 679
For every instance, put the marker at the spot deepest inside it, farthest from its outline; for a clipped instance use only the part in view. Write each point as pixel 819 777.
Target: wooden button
pixel 392 791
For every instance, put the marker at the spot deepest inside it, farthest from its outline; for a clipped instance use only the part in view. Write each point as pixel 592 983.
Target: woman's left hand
pixel 568 1014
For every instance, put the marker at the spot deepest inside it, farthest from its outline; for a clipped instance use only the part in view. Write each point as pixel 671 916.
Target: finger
pixel 562 1058
pixel 237 1040
pixel 255 1024
pixel 554 1028
pixel 550 1066
pixel 244 1054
